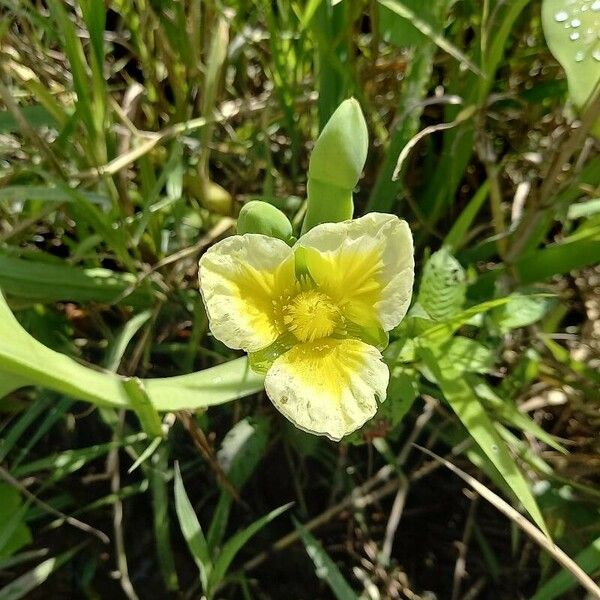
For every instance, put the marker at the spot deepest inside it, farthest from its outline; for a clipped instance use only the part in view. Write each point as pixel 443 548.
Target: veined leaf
pixel 443 286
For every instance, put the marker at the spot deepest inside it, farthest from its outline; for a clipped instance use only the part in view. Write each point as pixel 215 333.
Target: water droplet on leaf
pixel 561 16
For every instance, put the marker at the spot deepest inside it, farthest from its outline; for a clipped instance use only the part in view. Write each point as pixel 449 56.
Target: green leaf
pixel 467 407
pixel 400 31
pixel 116 350
pixel 520 311
pixel 238 541
pixel 14 531
pixel 242 449
pixel 404 10
pixel 22 193
pixel 572 36
pixel 10 383
pixel 158 476
pixel 461 355
pixel 562 582
pixel 20 587
pixel 67 462
pixel 45 282
pixel 24 358
pixel 192 530
pixel 458 234
pixel 37 116
pixel 443 286
pixel 507 410
pixel 141 404
pixel 325 568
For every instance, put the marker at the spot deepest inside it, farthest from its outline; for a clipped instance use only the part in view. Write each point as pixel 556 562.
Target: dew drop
pixel 575 22
pixel 596 5
pixel 596 55
pixel 574 36
pixel 579 56
pixel 584 8
pixel 561 16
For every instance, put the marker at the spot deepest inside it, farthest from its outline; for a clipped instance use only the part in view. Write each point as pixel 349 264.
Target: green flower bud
pixel 336 164
pixel 261 217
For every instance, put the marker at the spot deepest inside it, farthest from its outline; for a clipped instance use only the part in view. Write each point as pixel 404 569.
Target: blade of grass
pixel 466 405
pixel 325 568
pixel 518 519
pixel 20 587
pixel 192 531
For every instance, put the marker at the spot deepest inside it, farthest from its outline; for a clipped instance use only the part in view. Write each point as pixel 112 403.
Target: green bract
pixel 572 30
pixel 266 219
pixel 336 164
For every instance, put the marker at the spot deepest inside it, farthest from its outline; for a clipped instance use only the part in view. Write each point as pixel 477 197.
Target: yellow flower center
pixel 311 315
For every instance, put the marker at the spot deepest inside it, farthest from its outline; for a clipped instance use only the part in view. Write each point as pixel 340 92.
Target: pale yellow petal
pixel 328 387
pixel 241 278
pixel 367 265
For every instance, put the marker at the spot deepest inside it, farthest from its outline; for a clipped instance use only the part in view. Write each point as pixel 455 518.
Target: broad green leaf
pixel 10 383
pixel 192 530
pixel 563 582
pixel 24 358
pixel 571 28
pixel 325 568
pixel 520 311
pixel 469 410
pixel 443 286
pixel 237 542
pixel 20 587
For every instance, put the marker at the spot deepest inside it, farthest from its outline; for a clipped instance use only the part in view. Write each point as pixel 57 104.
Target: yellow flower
pixel 312 315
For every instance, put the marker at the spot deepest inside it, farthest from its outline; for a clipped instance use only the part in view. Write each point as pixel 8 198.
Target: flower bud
pixel 261 217
pixel 336 164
